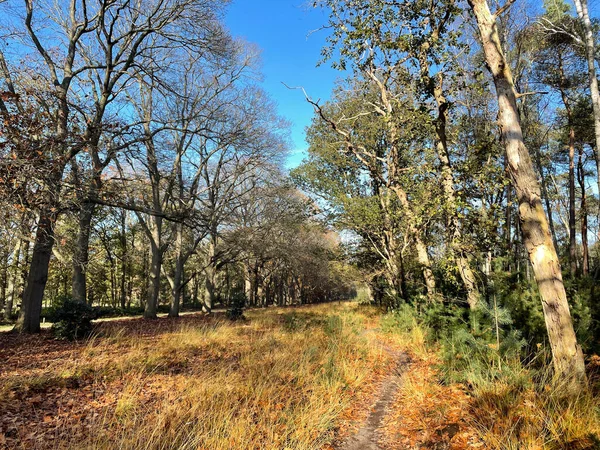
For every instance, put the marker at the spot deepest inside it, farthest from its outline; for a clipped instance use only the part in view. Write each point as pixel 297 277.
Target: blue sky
pixel 281 29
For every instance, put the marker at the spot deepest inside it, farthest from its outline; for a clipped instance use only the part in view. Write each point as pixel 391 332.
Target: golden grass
pixel 285 379
pixel 279 381
pixel 522 409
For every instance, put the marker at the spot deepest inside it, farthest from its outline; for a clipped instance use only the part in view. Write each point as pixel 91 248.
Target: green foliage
pixel 402 319
pixel 585 309
pixel 522 301
pixel 293 322
pixel 491 349
pixel 72 319
pixel 363 297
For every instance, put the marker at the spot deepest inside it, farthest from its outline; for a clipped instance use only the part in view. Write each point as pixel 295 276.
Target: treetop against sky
pixel 290 40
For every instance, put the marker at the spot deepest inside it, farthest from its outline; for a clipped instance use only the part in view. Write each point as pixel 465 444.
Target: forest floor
pixel 46 325
pixel 313 377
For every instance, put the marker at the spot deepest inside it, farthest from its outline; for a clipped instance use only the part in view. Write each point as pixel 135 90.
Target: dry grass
pixel 285 379
pixel 513 414
pixel 518 409
pixel 281 380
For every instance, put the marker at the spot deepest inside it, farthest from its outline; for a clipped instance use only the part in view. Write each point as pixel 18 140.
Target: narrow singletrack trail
pixel 368 435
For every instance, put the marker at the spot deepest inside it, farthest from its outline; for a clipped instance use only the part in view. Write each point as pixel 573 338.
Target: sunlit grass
pixel 280 380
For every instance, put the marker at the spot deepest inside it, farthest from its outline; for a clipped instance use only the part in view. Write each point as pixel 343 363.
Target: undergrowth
pixel 514 401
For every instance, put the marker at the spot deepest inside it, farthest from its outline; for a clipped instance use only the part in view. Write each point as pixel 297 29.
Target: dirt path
pixel 367 436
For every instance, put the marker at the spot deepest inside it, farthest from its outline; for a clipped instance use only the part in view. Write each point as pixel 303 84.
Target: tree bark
pixel 571 147
pixel 456 240
pixel 572 219
pixel 13 279
pixel 210 274
pixel 581 7
pixel 585 266
pixel 81 252
pixel 421 248
pixel 124 259
pixel 154 287
pixel 545 195
pixel 567 355
pixel 178 275
pixel 31 307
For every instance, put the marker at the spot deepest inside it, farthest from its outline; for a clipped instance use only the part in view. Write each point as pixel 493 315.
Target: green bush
pixel 401 319
pixel 72 319
pixel 236 306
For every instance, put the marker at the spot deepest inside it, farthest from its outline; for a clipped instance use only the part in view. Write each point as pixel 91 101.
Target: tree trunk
pixel 176 291
pixel 585 267
pixel 508 226
pixel 545 195
pixel 13 279
pixel 81 252
pixel 154 287
pixel 124 258
pixel 590 50
pixel 571 147
pixel 178 275
pixel 248 289
pixel 210 273
pixel 422 254
pixel 31 307
pixel 572 219
pixel 567 355
pixel 424 262
pixel 144 278
pixel 4 276
pixel 456 241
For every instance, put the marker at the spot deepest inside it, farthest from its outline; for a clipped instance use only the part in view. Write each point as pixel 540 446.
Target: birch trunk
pixel 456 241
pixel 567 355
pixel 421 248
pixel 581 7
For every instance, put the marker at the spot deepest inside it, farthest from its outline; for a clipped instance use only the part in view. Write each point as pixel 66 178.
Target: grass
pixel 292 378
pixel 467 399
pixel 281 380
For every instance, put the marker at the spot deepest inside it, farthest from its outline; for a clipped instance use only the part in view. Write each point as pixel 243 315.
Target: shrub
pixel 72 319
pixel 236 306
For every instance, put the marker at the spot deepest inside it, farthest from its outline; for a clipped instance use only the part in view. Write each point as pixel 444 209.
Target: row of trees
pixel 408 152
pixel 140 161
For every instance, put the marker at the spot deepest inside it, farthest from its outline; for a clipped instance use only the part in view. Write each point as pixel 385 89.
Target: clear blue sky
pixel 281 29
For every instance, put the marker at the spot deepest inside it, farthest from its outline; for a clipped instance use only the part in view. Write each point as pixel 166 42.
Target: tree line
pixel 457 156
pixel 142 163
pixel 460 149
